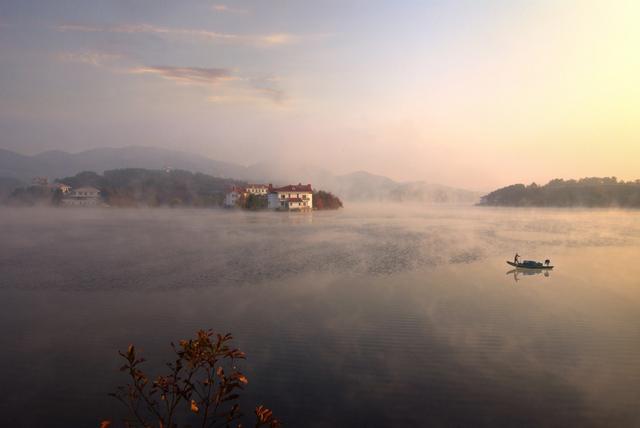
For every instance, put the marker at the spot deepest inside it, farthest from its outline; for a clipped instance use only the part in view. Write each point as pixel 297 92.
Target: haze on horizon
pixel 475 94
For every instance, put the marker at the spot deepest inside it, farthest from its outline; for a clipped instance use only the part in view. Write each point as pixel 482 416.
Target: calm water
pixel 358 318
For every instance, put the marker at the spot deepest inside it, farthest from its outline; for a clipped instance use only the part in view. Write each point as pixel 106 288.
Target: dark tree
pixel 587 192
pixel 254 202
pixel 326 201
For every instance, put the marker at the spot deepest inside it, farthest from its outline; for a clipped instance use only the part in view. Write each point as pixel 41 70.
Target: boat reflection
pixel 527 272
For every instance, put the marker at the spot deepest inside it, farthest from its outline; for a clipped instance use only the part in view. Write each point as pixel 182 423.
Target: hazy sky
pixel 468 93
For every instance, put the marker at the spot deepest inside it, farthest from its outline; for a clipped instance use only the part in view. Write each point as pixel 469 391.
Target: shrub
pixel 202 384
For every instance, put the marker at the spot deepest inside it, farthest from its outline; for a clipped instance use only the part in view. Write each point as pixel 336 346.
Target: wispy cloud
pixel 89 57
pixel 224 8
pixel 269 88
pixel 221 84
pixel 187 75
pixel 275 39
pixel 227 85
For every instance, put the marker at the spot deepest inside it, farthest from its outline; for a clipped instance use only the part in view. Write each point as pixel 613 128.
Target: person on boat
pixel 516 258
pixel 546 262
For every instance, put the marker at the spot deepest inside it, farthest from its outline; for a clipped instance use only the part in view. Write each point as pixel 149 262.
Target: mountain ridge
pixel 355 186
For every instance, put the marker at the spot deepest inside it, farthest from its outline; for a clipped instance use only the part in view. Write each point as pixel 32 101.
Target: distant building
pixel 257 189
pixel 44 182
pixel 64 188
pixel 82 196
pixel 234 195
pixel 291 198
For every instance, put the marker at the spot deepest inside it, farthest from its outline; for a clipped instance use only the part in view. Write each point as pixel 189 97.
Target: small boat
pixel 529 264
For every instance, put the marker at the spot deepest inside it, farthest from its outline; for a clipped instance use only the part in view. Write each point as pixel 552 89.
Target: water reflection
pixel 527 272
pixel 353 319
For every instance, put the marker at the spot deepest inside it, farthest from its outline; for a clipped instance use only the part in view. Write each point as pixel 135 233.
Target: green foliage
pixel 144 187
pixel 7 186
pixel 82 179
pixel 33 196
pixel 587 192
pixel 326 201
pixel 254 202
pixel 201 388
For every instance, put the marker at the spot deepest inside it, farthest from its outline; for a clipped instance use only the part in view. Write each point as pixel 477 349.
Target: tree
pixel 31 196
pixel 202 385
pixel 588 191
pixel 326 201
pixel 255 202
pixel 146 187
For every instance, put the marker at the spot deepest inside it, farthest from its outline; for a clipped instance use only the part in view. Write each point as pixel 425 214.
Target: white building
pixel 293 197
pixel 82 196
pixel 232 198
pixel 236 193
pixel 257 189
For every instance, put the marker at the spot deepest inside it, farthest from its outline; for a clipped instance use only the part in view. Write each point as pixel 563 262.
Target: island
pixel 586 192
pixel 139 187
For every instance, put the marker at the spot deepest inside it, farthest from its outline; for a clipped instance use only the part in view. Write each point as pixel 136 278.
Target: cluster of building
pixel 82 196
pixel 294 197
pixel 86 196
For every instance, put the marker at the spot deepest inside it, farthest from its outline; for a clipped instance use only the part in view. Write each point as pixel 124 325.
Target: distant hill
pixel 363 186
pixel 16 169
pixel 586 192
pixel 54 164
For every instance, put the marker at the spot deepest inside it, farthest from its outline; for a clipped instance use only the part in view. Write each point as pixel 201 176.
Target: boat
pixel 529 264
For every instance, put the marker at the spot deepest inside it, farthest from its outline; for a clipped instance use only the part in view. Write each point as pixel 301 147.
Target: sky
pixel 474 94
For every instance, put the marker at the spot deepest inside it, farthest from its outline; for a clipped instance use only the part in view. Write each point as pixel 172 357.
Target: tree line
pixel 585 192
pixel 138 187
pixel 135 187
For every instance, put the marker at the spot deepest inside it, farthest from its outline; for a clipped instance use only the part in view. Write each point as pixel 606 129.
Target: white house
pixel 233 196
pixel 292 197
pixel 236 193
pixel 82 196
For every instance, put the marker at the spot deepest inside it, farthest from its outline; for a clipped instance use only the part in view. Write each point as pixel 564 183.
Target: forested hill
pixel 145 187
pixel 586 192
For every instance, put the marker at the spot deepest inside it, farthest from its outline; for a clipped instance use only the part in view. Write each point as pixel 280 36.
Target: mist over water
pixel 368 316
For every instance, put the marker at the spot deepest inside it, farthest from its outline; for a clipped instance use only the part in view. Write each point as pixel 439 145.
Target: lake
pixel 364 317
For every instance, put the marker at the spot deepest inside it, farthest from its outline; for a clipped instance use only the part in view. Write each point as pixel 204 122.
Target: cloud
pixel 223 84
pixel 224 8
pixel 279 39
pixel 81 28
pixel 268 88
pixel 275 39
pixel 89 57
pixel 229 86
pixel 187 75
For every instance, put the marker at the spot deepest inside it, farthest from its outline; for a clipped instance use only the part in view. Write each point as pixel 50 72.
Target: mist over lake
pixel 364 317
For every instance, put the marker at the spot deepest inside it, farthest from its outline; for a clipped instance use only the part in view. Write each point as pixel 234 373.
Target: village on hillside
pixel 151 188
pixel 65 195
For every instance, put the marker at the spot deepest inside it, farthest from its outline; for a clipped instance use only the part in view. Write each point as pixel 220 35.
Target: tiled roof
pixel 294 188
